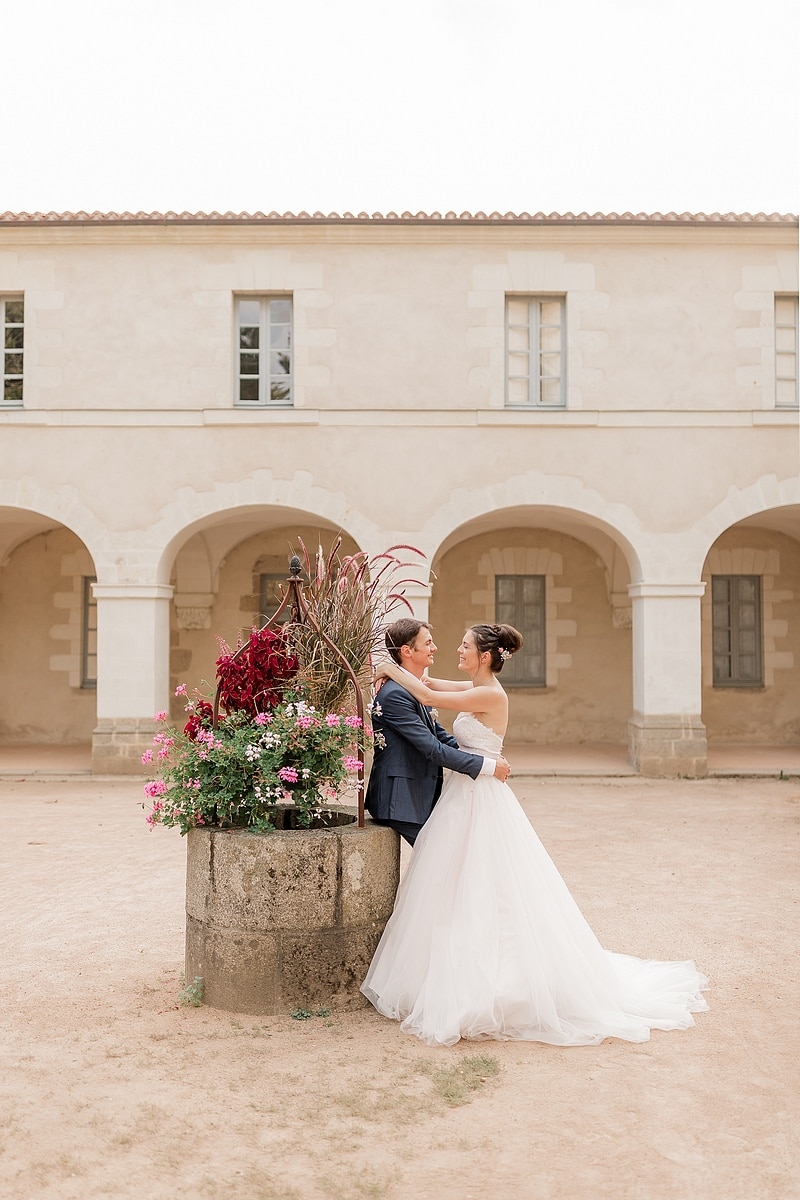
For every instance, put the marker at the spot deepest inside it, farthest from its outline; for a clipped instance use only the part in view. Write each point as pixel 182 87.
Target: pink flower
pixel 161 716
pixel 262 719
pixel 305 723
pixel 156 788
pixel 332 719
pixel 163 753
pixel 351 763
pixel 288 774
pixel 180 690
pixel 147 757
pixel 353 722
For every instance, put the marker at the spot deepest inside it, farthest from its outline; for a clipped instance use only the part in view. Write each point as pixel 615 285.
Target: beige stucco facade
pixel 670 462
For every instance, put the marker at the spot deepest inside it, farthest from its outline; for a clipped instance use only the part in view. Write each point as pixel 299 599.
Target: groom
pixel 411 748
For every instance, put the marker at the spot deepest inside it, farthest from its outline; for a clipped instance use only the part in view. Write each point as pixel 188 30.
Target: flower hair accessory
pixel 505 654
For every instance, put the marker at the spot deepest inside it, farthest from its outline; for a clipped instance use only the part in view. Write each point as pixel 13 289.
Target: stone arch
pixel 765 495
pixel 587 551
pixel 41 508
pixel 46 611
pixel 191 511
pixel 548 496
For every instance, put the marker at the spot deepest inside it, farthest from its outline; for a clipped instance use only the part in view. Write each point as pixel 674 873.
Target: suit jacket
pixel 406 776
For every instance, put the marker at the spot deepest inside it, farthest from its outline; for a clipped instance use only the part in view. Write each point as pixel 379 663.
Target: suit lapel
pixel 428 716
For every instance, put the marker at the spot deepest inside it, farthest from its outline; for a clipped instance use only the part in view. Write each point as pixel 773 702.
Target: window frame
pixel 734 628
pixel 267 379
pixel 12 377
pixel 781 352
pixel 88 609
pixel 520 659
pixel 534 327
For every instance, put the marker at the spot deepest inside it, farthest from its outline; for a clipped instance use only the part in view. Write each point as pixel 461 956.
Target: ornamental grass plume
pixel 349 598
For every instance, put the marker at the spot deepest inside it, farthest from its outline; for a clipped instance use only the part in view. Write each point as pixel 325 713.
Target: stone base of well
pixel 287 920
pixel 669 746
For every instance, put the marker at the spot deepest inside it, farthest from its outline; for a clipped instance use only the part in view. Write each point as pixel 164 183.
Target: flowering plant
pixel 276 732
pixel 240 771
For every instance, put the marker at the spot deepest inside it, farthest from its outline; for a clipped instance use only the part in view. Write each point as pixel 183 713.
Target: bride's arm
pixel 468 699
pixel 447 685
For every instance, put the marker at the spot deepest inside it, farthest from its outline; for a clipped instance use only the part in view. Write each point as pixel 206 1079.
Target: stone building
pixel 588 424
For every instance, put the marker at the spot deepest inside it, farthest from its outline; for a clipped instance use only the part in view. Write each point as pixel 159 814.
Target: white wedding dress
pixel 485 940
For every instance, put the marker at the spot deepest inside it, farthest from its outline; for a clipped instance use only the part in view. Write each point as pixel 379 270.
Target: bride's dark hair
pixel 500 640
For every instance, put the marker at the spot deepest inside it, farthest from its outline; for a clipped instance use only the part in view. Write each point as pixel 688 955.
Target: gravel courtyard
pixel 111 1087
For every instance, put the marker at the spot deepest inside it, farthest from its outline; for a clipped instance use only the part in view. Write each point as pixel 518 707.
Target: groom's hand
pixel 502 769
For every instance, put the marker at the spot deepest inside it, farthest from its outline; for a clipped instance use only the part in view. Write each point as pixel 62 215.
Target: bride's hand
pixel 387 670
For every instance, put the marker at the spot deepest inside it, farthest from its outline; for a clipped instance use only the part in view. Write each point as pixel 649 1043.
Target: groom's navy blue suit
pixel 406 776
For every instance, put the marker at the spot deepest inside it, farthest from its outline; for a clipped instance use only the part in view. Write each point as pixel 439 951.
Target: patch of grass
pixel 192 994
pixel 365 1187
pixel 455 1085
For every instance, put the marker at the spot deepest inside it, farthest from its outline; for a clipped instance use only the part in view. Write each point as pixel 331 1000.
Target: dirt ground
pixel 111 1087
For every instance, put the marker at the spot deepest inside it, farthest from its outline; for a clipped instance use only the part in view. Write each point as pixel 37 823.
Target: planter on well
pixel 287 891
pixel 288 919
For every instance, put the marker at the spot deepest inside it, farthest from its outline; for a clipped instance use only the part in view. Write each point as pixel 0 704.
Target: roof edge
pixel 393 218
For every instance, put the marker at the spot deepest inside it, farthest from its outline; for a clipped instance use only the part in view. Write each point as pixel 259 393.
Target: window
pixel 535 352
pixel 12 316
pixel 736 630
pixel 520 601
pixel 269 597
pixel 89 635
pixel 786 351
pixel 264 329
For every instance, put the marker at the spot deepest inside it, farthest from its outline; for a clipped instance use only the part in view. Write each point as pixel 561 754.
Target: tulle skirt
pixel 485 941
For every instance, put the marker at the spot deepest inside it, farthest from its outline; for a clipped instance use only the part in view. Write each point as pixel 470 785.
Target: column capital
pixel 132 591
pixel 667 591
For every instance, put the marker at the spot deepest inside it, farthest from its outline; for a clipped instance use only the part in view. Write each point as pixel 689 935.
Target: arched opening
pixel 562 578
pixel 48 651
pixel 751 641
pixel 226 572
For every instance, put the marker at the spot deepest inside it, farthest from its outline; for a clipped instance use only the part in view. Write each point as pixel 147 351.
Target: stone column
pixel 666 736
pixel 132 673
pixel 419 597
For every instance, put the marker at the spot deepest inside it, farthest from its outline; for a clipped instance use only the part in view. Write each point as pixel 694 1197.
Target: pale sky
pixel 424 105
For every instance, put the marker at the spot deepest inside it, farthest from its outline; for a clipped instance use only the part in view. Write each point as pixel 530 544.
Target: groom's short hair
pixel 403 633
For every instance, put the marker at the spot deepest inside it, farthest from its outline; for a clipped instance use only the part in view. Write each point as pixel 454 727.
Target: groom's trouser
pixel 406 829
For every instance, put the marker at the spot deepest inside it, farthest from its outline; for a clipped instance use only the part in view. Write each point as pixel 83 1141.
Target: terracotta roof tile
pixel 478 218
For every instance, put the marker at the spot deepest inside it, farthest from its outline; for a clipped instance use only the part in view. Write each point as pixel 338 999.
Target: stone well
pixel 287 920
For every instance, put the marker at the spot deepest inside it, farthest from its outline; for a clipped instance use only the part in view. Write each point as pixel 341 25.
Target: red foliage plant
pixel 201 718
pixel 254 677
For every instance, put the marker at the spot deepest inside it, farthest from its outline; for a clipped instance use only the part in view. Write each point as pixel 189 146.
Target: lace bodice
pixel 475 737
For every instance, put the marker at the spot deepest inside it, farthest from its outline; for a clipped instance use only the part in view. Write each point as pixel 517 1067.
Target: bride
pixel 485 940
